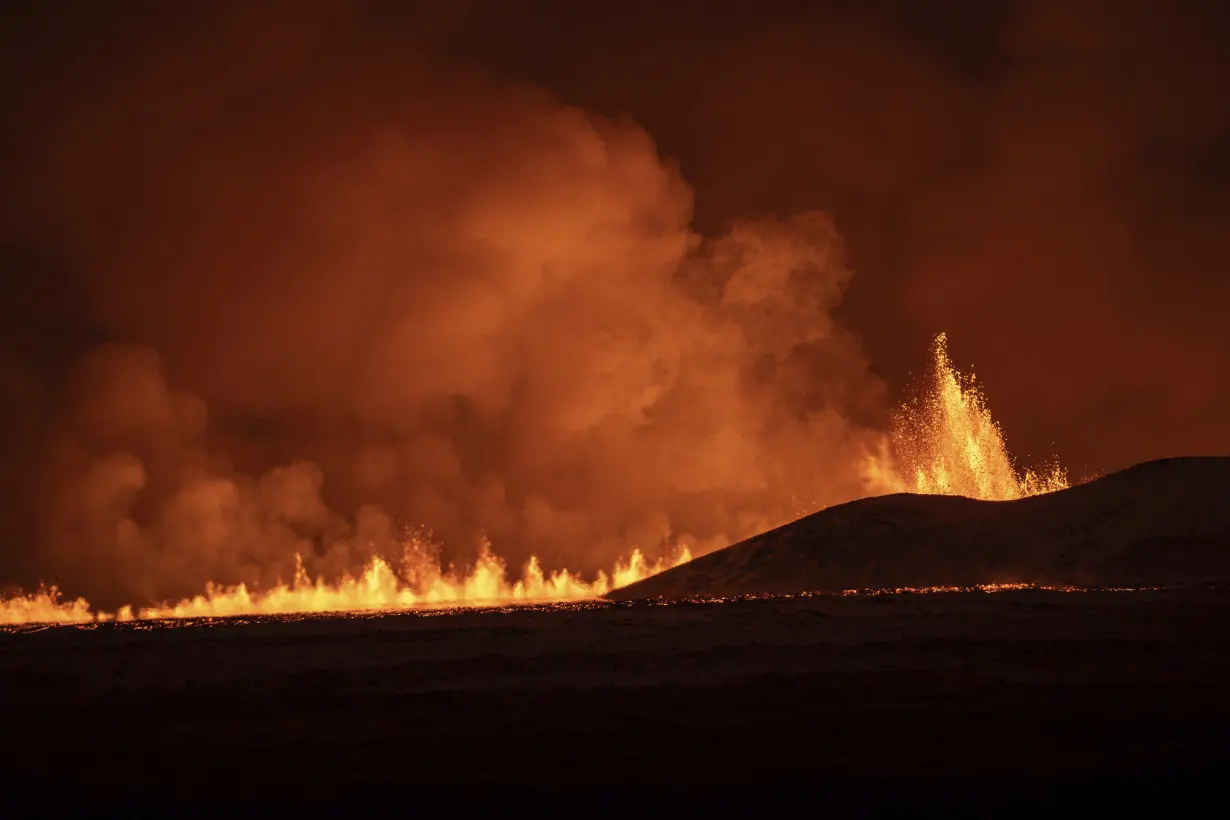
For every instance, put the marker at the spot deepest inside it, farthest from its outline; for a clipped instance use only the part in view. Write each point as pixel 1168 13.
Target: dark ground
pixel 993 703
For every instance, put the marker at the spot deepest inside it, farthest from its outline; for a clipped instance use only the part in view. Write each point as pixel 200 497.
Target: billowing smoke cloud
pixel 307 241
pixel 1048 182
pixel 339 288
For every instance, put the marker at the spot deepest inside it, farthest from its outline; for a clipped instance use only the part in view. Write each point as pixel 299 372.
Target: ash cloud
pixel 342 287
pixel 1046 181
pixel 562 273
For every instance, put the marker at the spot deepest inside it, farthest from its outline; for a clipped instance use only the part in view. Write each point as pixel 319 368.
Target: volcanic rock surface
pixel 1161 522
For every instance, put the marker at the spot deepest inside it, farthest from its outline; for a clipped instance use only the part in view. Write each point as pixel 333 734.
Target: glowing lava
pixel 378 586
pixel 946 442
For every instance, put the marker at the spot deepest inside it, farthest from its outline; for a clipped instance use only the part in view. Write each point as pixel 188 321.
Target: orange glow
pixel 44 606
pixel 946 443
pixel 378 587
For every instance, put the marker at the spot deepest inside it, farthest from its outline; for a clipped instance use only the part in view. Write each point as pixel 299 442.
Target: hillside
pixel 1159 522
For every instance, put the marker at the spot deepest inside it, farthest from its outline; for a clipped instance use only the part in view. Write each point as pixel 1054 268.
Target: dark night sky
pixel 1045 181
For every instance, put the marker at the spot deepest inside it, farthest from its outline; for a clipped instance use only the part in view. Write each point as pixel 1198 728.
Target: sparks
pixel 947 442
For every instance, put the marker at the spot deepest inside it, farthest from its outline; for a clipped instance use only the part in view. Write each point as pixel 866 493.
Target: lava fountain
pixel 378 587
pixel 944 442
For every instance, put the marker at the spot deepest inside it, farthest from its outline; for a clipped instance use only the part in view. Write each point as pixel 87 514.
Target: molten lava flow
pixel 944 443
pixel 377 587
pixel 947 443
pixel 44 607
pixel 380 587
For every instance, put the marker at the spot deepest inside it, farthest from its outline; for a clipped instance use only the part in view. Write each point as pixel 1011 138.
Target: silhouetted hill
pixel 1159 522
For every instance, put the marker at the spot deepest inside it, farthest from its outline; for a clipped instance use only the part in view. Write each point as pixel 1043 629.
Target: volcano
pixel 1157 523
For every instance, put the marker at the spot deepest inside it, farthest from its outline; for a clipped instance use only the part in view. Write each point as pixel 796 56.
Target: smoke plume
pixel 336 290
pixel 292 277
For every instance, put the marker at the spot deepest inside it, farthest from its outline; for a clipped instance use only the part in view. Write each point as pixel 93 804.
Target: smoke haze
pixel 287 279
pixel 399 291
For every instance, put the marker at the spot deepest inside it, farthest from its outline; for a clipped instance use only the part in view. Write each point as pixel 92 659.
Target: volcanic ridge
pixel 1157 523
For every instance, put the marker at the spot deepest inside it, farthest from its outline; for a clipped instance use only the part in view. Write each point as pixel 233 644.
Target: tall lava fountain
pixel 945 441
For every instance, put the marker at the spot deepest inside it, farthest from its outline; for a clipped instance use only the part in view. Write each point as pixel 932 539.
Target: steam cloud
pixel 291 280
pixel 392 292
